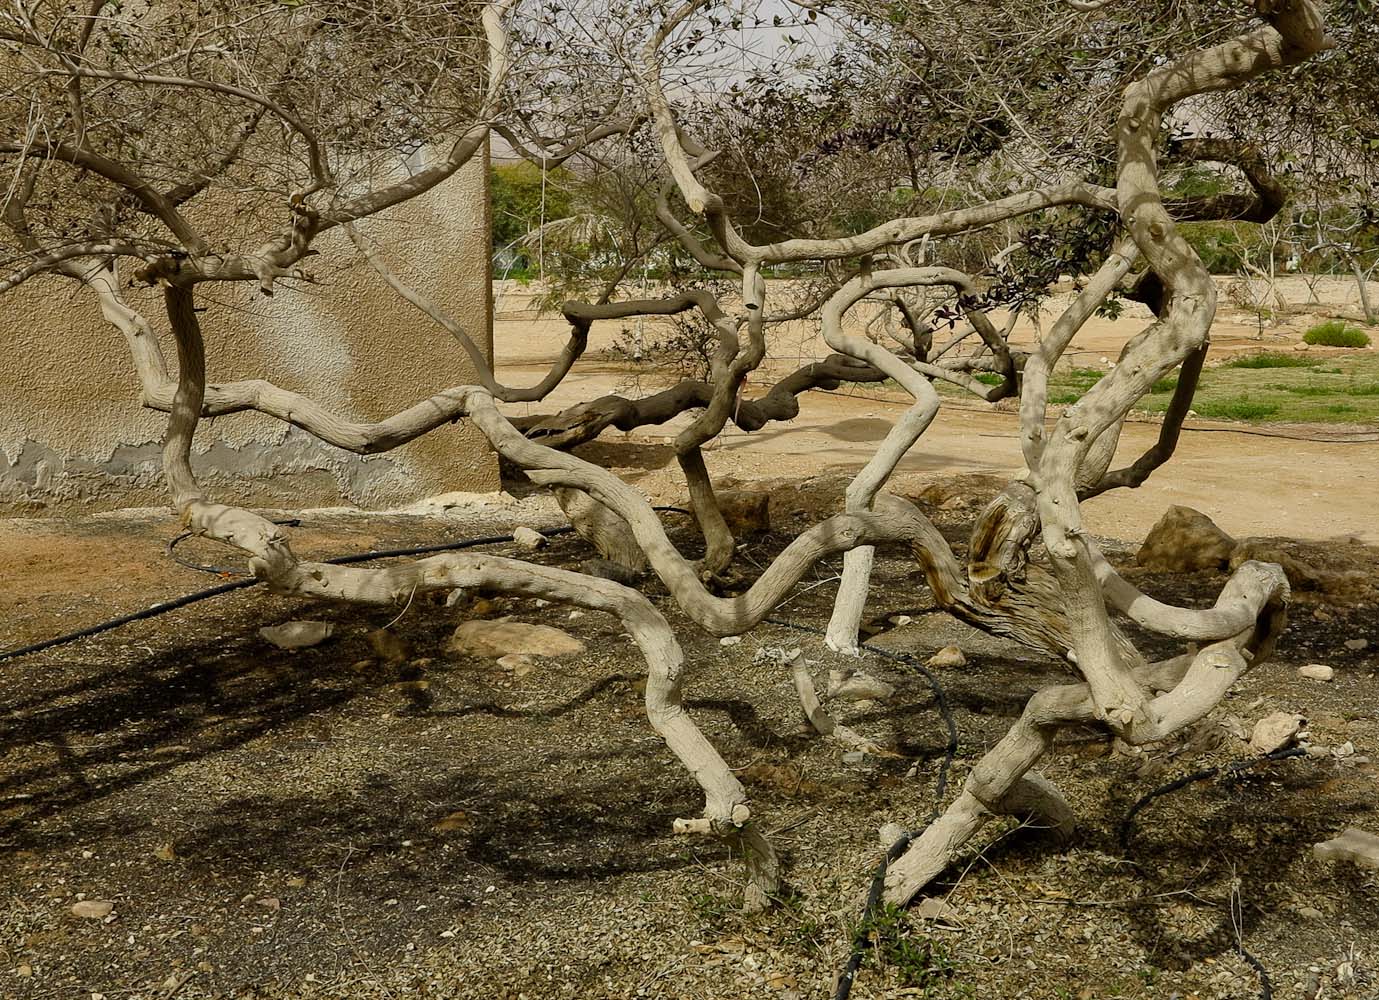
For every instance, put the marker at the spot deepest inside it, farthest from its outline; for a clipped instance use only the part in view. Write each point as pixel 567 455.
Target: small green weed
pixel 919 962
pixel 710 908
pixel 1164 385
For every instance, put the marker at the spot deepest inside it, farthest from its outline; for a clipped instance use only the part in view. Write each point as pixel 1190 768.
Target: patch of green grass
pixel 1089 375
pixel 1268 360
pixel 1258 388
pixel 989 378
pixel 1235 409
pixel 1064 398
pixel 1336 333
pixel 1305 390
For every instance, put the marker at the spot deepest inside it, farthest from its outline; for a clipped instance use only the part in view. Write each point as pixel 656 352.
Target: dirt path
pixel 1249 482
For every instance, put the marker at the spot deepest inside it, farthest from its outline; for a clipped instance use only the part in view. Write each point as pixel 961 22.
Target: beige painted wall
pixel 73 436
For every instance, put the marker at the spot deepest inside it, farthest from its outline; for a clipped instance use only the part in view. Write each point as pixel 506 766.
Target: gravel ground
pixel 321 823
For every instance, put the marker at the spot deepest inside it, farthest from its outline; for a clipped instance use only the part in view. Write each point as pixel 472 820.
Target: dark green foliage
pixel 515 191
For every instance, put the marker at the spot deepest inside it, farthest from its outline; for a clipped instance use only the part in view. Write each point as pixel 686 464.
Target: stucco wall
pixel 73 436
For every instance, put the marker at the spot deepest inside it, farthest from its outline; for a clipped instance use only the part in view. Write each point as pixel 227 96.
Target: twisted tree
pixel 129 134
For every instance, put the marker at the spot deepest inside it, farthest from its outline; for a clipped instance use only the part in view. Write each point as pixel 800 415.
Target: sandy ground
pixel 1321 481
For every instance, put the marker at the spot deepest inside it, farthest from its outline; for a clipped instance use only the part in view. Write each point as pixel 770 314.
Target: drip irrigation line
pixel 245 581
pixel 1127 824
pixel 161 608
pixel 877 888
pixel 1266 986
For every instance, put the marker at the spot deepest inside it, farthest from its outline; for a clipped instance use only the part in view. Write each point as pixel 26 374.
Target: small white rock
pixel 933 908
pixel 1316 672
pixel 518 664
pixel 890 833
pixel 730 640
pixel 1276 731
pixel 862 687
pixel 1357 645
pixel 1354 844
pixel 297 635
pixel 93 909
pixel 529 538
pixel 948 656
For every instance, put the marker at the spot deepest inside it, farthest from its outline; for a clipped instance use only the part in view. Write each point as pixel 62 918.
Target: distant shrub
pixel 1267 361
pixel 1334 333
pixel 1164 385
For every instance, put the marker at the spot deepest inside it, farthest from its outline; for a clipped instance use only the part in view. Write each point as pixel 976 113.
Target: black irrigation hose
pixel 164 607
pixel 358 557
pixel 157 609
pixel 1266 986
pixel 1127 824
pixel 878 881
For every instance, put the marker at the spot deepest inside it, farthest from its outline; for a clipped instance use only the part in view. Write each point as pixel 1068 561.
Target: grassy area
pixel 1257 388
pixel 1288 388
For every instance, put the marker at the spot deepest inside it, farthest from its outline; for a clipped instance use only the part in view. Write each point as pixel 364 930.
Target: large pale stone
pixel 529 538
pixel 1185 541
pixel 860 686
pixel 1359 846
pixel 747 512
pixel 494 639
